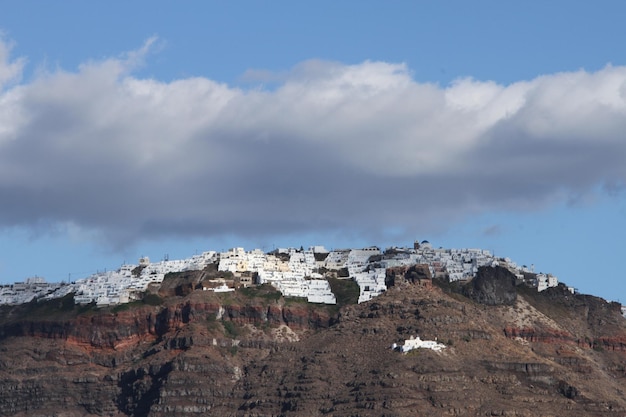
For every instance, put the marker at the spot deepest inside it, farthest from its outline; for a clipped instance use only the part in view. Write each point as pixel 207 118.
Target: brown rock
pixel 236 355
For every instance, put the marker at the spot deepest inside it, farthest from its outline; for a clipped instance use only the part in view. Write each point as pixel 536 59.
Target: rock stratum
pixel 510 351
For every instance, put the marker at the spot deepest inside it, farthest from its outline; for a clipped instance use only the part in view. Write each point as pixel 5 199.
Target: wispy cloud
pixel 10 70
pixel 365 148
pixel 493 230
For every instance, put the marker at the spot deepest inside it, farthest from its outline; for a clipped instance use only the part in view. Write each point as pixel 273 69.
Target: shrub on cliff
pixel 264 291
pixel 346 291
pixel 152 300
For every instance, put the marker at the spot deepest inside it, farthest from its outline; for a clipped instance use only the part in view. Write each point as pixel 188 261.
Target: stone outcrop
pixel 492 286
pixel 533 334
pixel 415 274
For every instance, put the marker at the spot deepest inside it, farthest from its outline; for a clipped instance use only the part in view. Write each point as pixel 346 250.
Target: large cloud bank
pixel 362 148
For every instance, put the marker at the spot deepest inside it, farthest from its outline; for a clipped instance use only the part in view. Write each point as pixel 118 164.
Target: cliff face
pixel 492 286
pixel 114 330
pixel 254 354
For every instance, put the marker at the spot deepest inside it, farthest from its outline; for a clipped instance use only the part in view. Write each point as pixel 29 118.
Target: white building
pixel 417 343
pixel 337 259
pixel 546 281
pixel 371 283
pixel 319 292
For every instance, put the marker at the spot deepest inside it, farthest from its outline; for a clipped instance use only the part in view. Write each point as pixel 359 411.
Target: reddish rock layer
pixel 115 330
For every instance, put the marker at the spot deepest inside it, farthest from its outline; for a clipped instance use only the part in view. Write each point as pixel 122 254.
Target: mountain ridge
pixel 260 354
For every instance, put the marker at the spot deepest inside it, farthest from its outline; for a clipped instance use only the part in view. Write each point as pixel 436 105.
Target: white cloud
pixel 365 147
pixel 10 71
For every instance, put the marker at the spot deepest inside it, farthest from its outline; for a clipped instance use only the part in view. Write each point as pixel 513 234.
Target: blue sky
pixel 153 128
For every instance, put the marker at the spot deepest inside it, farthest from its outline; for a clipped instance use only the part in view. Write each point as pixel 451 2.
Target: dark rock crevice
pixel 140 389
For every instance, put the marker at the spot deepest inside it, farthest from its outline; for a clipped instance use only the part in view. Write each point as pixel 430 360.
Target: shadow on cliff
pixel 140 388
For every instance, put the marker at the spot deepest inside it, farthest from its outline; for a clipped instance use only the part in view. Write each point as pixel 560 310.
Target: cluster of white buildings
pixel 118 287
pixel 104 288
pixel 297 273
pixel 417 343
pixel 456 264
pixel 462 264
pixel 30 289
pixel 294 272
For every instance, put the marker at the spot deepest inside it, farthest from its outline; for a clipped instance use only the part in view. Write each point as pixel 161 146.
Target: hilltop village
pixel 294 272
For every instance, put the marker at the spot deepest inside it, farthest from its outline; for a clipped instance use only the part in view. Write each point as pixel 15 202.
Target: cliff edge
pixel 254 353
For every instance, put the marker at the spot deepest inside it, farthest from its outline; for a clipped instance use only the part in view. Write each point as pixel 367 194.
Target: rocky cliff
pixel 253 353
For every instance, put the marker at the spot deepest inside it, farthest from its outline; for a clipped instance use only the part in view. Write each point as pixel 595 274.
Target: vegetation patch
pixel 49 308
pixel 127 306
pixel 264 291
pixel 296 300
pixel 346 291
pixel 231 329
pixel 90 308
pixel 226 298
pixel 57 308
pixel 152 300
